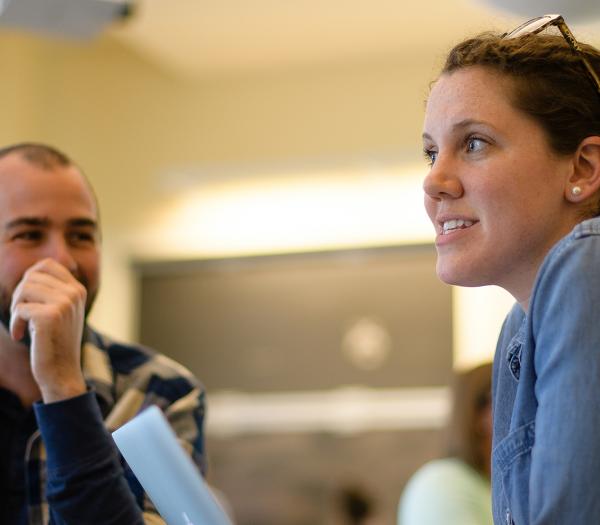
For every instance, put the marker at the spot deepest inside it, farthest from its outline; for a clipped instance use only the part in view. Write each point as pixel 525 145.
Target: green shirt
pixel 446 491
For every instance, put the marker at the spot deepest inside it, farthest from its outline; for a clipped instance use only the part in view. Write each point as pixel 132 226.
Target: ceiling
pixel 200 37
pixel 206 36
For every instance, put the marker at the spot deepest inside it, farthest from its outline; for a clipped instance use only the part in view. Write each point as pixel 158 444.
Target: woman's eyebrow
pixel 465 123
pixel 459 126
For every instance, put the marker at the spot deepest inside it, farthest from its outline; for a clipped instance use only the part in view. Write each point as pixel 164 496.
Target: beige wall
pixel 130 123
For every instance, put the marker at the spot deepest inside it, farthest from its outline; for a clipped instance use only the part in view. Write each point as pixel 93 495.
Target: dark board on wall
pixel 278 323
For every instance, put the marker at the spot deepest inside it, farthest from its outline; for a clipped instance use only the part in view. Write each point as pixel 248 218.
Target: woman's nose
pixel 443 180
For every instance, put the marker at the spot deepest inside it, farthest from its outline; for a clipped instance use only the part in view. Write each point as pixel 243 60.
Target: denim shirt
pixel 546 393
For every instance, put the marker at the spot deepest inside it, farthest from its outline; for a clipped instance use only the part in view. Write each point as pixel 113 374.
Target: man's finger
pixel 19 322
pixel 46 289
pixel 51 267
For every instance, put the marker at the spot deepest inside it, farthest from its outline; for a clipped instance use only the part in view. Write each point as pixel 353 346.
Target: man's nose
pixel 58 249
pixel 443 180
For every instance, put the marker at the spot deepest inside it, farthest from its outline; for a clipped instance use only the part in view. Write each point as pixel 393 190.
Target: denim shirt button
pixel 514 361
pixel 509 520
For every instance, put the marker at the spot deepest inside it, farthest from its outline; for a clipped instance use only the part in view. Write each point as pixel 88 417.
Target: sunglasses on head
pixel 535 25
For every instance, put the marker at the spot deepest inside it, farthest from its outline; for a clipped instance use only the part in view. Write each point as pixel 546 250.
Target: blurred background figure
pixel 356 506
pixel 456 489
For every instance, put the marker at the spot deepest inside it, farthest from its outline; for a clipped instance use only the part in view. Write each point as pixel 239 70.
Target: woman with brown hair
pixel 455 490
pixel 512 134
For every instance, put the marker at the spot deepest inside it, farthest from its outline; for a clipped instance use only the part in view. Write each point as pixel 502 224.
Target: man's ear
pixel 585 179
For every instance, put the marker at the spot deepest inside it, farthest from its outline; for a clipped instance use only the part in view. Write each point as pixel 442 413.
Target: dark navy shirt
pixel 87 442
pixel 16 425
pixel 58 462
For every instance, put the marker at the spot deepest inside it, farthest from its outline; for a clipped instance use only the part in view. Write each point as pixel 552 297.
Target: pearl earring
pixel 576 191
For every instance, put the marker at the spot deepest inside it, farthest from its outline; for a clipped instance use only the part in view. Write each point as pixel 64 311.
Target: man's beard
pixel 6 299
pixel 5 310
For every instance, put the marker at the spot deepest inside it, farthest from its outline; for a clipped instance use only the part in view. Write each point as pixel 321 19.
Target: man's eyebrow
pixel 27 221
pixel 42 222
pixel 83 223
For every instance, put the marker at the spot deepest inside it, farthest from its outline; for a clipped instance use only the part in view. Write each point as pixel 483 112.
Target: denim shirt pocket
pixel 512 464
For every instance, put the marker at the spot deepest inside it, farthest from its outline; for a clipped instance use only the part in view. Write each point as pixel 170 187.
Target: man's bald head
pixel 46 157
pixel 41 155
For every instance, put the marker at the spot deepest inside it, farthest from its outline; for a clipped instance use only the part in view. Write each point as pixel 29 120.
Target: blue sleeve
pixel 565 317
pixel 85 482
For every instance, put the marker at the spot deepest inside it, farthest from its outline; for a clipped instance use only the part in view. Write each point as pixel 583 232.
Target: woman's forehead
pixel 473 93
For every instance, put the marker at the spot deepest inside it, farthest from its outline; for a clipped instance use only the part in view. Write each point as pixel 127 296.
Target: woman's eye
pixel 430 156
pixel 475 144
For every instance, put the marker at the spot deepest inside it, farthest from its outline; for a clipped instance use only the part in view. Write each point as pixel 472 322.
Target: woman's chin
pixel 459 276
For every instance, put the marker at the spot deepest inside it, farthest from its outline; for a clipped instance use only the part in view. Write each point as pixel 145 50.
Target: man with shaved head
pixel 63 386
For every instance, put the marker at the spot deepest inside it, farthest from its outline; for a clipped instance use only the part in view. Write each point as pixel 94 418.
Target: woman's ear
pixel 585 179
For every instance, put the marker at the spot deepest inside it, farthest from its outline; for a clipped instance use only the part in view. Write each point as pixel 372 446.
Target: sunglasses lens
pixel 532 26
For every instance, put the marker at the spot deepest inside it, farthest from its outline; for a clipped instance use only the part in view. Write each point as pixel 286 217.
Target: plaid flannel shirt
pixel 126 379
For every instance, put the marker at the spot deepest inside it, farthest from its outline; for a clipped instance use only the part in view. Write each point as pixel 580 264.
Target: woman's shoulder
pixel 572 260
pixel 589 227
pixel 584 235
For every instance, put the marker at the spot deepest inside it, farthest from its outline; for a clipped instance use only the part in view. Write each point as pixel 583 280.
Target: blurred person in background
pixel 455 490
pixel 64 386
pixel 356 506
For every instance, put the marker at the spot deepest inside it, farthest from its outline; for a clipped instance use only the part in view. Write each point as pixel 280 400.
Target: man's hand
pixel 50 302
